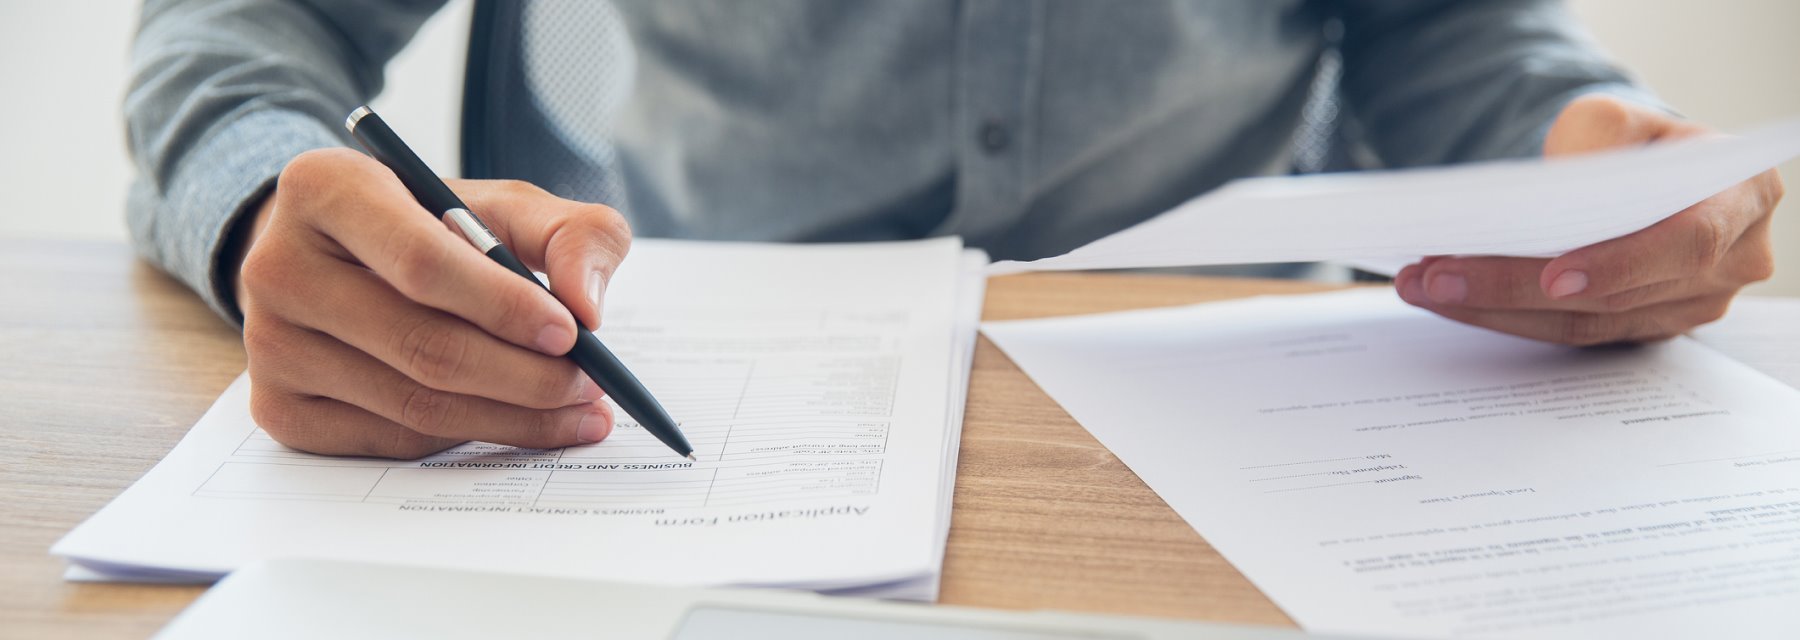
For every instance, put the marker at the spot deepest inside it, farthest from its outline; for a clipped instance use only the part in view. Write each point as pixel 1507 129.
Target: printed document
pixel 1538 207
pixel 1378 470
pixel 821 385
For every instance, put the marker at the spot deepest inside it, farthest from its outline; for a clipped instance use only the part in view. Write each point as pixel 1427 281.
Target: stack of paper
pixel 822 387
pixel 1378 470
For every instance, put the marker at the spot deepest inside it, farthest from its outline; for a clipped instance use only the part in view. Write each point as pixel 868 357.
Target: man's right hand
pixel 374 329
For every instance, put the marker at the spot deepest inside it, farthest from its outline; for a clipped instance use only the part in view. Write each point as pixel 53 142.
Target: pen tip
pixel 692 458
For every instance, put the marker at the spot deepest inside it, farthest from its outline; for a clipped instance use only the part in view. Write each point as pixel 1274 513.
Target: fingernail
pixel 589 391
pixel 554 340
pixel 1407 285
pixel 593 287
pixel 1568 283
pixel 595 426
pixel 1448 288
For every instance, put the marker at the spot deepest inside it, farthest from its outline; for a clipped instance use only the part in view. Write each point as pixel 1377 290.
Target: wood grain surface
pixel 105 363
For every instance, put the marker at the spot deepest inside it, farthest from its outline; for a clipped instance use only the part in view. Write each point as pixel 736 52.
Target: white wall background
pixel 63 168
pixel 63 68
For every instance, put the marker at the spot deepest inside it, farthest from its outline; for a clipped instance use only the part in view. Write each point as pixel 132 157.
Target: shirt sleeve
pixel 1443 81
pixel 223 94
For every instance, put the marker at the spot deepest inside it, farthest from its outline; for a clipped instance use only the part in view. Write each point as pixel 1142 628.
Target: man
pixel 1029 127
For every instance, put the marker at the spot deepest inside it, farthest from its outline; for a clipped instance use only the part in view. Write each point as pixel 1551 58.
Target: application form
pixel 1378 470
pixel 820 385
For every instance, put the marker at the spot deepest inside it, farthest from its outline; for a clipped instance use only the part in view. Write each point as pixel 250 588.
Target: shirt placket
pixel 996 75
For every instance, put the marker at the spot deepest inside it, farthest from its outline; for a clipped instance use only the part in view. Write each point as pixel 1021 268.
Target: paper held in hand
pixel 1531 208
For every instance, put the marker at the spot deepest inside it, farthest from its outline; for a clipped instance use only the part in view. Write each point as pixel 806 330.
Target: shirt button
pixel 994 137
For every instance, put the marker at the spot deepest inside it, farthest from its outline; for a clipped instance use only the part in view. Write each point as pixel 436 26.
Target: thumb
pixel 581 255
pixel 579 245
pixel 1596 122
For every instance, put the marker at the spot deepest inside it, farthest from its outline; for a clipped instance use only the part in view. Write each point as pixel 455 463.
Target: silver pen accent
pixel 472 228
pixel 355 117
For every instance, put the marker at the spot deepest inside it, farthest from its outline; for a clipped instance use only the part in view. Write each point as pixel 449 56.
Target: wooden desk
pixel 105 363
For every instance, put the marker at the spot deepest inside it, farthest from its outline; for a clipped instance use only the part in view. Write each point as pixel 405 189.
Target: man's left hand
pixel 1655 284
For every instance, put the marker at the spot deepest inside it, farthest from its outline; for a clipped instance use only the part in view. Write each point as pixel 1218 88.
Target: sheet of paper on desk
pixel 1377 470
pixel 1515 208
pixel 821 385
pixel 1761 332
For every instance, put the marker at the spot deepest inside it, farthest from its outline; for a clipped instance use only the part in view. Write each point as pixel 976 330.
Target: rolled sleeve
pixel 185 229
pixel 223 94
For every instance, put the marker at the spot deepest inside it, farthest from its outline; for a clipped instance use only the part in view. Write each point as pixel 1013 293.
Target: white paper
pixel 972 289
pixel 1761 332
pixel 1539 207
pixel 1377 470
pixel 816 383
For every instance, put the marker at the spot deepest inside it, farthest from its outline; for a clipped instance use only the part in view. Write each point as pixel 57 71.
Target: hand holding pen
pixel 373 329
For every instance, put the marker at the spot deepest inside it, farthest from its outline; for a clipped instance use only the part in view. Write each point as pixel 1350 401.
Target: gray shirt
pixel 1027 126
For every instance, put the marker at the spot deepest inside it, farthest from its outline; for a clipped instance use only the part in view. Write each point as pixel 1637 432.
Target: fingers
pixel 1718 245
pixel 579 245
pixel 373 329
pixel 1658 282
pixel 1694 241
pixel 432 347
pixel 1688 243
pixel 1703 240
pixel 404 418
pixel 1479 282
pixel 1583 328
pixel 329 427
pixel 1514 284
pixel 1721 235
pixel 363 208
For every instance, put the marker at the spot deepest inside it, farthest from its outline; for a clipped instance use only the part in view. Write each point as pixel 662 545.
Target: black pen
pixel 589 354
